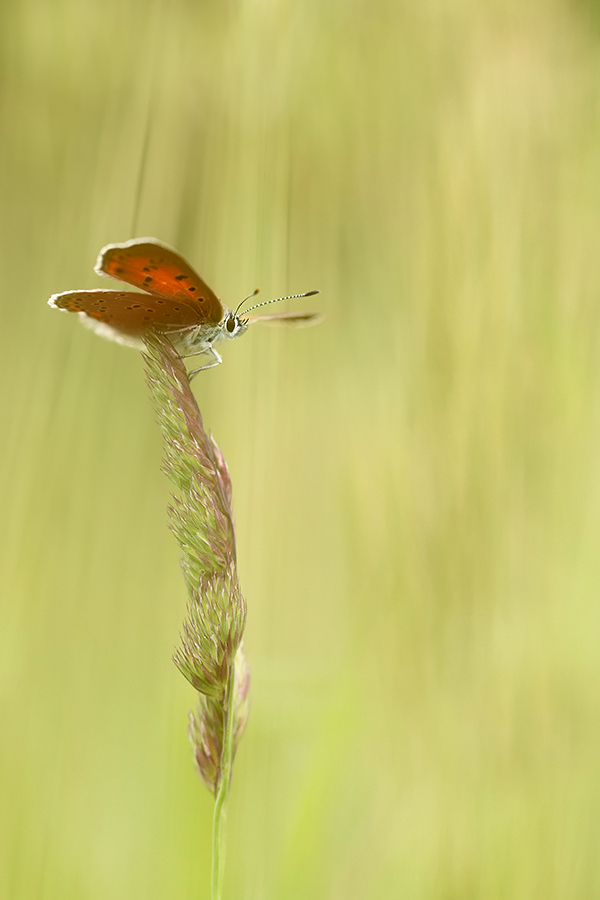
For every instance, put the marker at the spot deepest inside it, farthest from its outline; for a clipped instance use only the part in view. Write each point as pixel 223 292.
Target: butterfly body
pixel 171 299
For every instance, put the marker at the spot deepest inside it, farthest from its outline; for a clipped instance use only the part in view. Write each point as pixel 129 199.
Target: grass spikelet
pixel 210 654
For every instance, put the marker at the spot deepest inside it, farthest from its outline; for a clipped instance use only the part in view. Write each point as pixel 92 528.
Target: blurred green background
pixel 416 481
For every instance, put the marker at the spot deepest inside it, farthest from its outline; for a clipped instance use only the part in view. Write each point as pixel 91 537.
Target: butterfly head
pixel 233 325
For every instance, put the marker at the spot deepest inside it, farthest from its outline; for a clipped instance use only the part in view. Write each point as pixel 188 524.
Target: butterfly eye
pixel 230 324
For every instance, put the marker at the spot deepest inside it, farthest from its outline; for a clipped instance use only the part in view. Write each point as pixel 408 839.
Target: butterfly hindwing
pixel 130 312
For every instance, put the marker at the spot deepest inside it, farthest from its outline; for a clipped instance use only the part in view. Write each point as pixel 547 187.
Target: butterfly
pixel 175 302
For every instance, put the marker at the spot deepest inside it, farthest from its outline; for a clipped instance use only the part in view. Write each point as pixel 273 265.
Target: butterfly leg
pixel 216 360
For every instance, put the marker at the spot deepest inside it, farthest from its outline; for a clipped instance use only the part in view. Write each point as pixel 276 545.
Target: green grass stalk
pixel 222 795
pixel 210 655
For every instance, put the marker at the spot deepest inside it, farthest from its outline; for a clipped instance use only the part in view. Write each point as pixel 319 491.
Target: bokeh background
pixel 416 481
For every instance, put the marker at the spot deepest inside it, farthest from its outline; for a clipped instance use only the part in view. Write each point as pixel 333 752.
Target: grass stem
pixel 222 794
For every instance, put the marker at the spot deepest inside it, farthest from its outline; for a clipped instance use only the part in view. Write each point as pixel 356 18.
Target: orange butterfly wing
pixel 147 264
pixel 130 313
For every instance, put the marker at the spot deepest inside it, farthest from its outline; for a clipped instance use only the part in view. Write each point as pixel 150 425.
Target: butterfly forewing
pixel 154 267
pixel 130 313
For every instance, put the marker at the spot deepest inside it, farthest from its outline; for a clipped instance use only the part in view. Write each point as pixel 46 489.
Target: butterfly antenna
pixel 253 294
pixel 277 299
